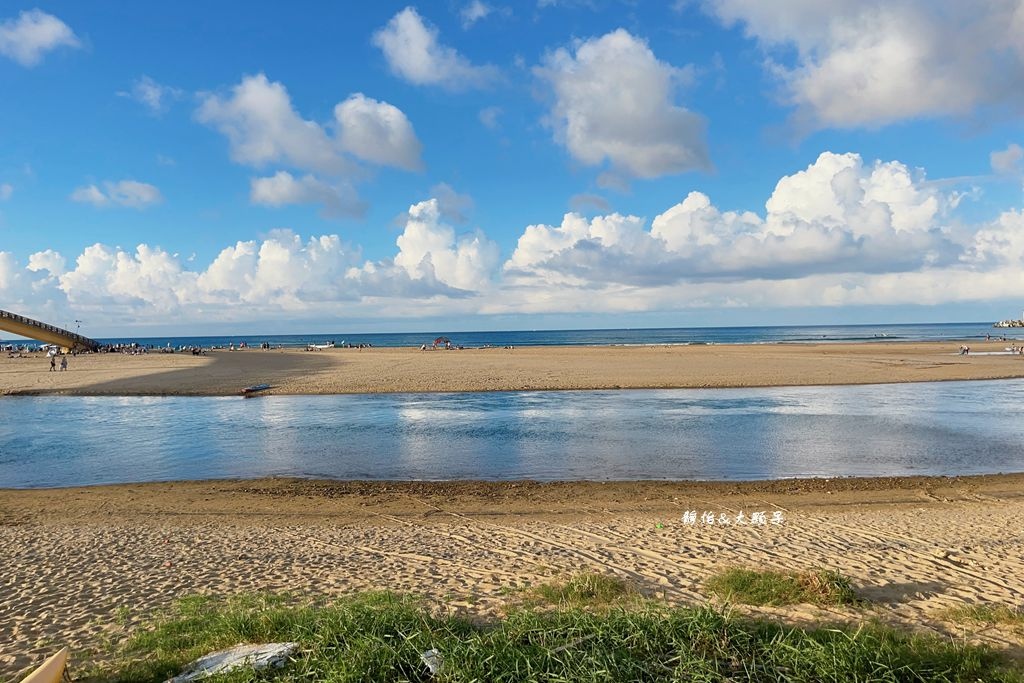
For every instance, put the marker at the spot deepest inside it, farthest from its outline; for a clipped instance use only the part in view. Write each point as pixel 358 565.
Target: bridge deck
pixel 34 329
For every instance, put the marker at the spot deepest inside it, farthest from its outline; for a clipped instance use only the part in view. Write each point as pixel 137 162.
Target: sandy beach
pixel 338 371
pixel 85 565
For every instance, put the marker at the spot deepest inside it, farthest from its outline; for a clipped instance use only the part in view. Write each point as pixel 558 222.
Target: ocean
pixel 623 337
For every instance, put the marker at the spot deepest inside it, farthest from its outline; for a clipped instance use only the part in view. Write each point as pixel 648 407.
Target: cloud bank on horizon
pixel 625 124
pixel 841 232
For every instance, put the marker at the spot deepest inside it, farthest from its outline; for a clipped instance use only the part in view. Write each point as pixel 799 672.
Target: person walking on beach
pixel 63 363
pixel 53 363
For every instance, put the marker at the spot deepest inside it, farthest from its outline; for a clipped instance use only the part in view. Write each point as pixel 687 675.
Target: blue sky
pixel 252 166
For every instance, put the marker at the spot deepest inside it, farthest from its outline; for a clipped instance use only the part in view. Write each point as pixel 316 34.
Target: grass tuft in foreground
pixel 379 637
pixel 774 588
pixel 989 614
pixel 586 590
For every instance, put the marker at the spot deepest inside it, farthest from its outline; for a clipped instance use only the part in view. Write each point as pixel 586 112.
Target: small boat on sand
pixel 255 389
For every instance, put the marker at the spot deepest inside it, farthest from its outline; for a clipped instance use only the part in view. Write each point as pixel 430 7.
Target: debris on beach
pixel 260 656
pixel 432 658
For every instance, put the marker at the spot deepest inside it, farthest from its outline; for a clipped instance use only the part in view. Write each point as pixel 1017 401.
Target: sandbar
pixel 388 370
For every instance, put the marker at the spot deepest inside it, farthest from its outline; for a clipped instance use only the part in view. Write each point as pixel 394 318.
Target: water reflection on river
pixel 935 428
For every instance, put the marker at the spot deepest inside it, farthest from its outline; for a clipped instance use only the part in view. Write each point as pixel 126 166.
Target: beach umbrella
pixel 442 340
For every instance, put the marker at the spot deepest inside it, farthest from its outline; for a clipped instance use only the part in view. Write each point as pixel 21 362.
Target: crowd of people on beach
pixel 132 349
pixel 135 349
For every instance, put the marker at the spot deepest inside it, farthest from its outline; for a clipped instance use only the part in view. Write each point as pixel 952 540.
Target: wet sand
pixel 339 371
pixel 83 566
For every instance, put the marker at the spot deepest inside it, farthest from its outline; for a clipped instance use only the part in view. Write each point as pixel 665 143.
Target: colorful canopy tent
pixel 442 340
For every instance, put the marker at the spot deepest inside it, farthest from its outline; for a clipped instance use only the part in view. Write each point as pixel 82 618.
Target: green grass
pixel 989 614
pixel 586 590
pixel 379 637
pixel 774 588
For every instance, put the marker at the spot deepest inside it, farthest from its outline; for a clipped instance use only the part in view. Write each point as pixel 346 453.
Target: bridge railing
pixel 73 336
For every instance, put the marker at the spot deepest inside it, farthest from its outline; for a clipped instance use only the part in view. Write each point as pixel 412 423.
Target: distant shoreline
pixel 736 334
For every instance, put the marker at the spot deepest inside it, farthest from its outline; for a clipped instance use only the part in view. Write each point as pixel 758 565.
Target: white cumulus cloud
pixel 33 34
pixel 615 101
pixel 283 188
pixel 129 193
pixel 49 260
pixel 377 132
pixel 839 216
pixel 428 249
pixel 281 274
pixel 414 53
pixel 264 129
pixel 453 205
pixel 1000 243
pixel 149 276
pixel 1008 161
pixel 876 62
pixel 841 232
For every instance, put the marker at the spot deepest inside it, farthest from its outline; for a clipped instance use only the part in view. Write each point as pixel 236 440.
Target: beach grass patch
pixel 1001 615
pixel 380 637
pixel 588 589
pixel 777 588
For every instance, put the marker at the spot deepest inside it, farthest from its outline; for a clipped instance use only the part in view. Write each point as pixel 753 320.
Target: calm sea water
pixel 741 434
pixel 678 335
